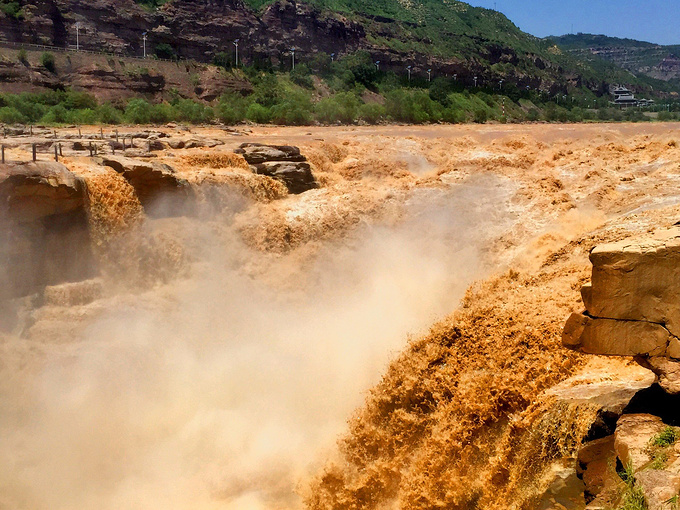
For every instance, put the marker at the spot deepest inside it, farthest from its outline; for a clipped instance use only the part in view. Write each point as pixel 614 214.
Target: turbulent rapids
pixel 203 336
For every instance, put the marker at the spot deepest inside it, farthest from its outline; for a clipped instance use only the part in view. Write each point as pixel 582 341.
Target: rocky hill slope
pixel 639 57
pixel 452 38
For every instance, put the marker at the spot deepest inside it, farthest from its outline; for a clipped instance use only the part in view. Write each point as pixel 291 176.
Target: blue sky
pixel 656 21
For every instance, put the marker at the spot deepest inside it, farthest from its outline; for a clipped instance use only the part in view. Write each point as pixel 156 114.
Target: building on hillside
pixel 625 98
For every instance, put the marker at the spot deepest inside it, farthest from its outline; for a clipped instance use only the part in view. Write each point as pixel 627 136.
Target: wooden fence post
pixel 56 153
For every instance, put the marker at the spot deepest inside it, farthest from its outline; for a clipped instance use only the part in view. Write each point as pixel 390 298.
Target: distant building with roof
pixel 625 98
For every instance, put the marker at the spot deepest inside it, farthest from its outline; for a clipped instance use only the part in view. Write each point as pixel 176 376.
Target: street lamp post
pixel 292 51
pixel 332 57
pixel 475 81
pixel 144 39
pixel 408 68
pixel 236 45
pixel 500 85
pixel 429 75
pixel 377 65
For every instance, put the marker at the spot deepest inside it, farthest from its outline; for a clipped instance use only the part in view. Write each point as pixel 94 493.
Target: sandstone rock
pixel 297 177
pixel 632 437
pixel 637 281
pixel 615 337
pixel 607 392
pixel 659 478
pixel 44 235
pixel 73 294
pixel 666 370
pixel 597 469
pixel 256 153
pixel 31 191
pixel 152 182
pixel 192 143
pixel 565 491
pixel 659 487
pixel 157 145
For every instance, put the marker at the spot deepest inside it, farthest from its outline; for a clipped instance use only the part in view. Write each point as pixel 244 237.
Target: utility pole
pixel 144 43
pixel 78 36
pixel 236 44
pixel 475 82
pixel 500 85
pixel 292 51
pixel 429 75
pixel 408 68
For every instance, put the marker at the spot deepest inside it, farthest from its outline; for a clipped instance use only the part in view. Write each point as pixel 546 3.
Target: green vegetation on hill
pixel 635 58
pixel 152 4
pixel 583 41
pixel 348 91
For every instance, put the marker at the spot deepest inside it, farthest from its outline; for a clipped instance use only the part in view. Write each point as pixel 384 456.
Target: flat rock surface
pixel 637 280
pixel 30 191
pixel 633 435
pixel 615 337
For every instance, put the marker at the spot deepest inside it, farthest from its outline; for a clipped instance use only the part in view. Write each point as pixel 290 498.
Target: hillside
pixel 451 38
pixel 639 57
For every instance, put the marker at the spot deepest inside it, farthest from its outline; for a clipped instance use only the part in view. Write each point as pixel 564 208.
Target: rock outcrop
pixel 281 162
pixel 633 309
pixel 157 186
pixel 44 236
pixel 633 302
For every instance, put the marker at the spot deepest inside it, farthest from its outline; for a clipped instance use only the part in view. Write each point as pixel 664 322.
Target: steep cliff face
pixel 452 38
pixel 195 29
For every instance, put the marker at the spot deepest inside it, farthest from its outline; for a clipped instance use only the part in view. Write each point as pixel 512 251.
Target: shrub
pixel 533 114
pixel 12 9
pixel 666 437
pixel 295 110
pixel 23 56
pixel 258 113
pixel 481 115
pixel 84 116
pixel 48 62
pixel 138 111
pixel 109 115
pixel 78 100
pixel 453 115
pixel 165 51
pixel 223 59
pixel 372 112
pixel 301 76
pixel 341 107
pixel 412 106
pixel 10 115
pixel 56 115
pixel 192 111
pixel 161 113
pixel 232 108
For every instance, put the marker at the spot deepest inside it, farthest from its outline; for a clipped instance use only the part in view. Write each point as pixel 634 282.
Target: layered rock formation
pixel 44 237
pixel 204 30
pixel 153 182
pixel 633 309
pixel 633 304
pixel 281 162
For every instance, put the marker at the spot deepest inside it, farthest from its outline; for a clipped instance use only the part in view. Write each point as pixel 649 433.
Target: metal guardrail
pixel 71 49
